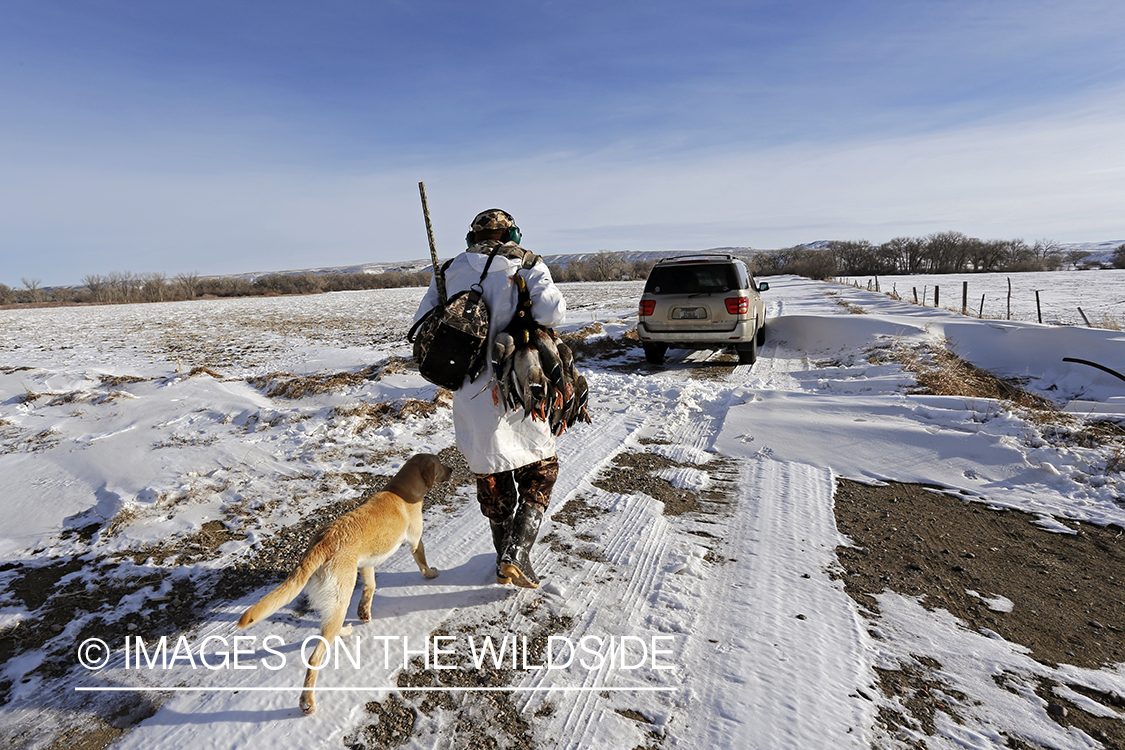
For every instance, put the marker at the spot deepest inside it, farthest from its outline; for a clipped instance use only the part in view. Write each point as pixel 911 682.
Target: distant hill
pixel 561 260
pixel 1100 252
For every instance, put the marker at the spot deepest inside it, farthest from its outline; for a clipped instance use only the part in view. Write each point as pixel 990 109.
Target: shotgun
pixel 439 279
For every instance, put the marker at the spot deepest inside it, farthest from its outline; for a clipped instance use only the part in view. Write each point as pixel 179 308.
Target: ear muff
pixel 514 235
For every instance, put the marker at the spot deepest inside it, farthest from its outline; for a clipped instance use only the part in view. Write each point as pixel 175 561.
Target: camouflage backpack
pixel 450 339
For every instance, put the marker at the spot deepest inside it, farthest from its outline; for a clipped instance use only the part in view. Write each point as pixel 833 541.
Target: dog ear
pixel 429 473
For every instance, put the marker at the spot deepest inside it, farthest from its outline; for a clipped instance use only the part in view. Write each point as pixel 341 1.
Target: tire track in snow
pixel 587 718
pixel 592 449
pixel 787 648
pixel 644 549
pixel 614 597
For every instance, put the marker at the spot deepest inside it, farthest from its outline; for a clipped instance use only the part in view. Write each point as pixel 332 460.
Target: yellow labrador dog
pixel 357 540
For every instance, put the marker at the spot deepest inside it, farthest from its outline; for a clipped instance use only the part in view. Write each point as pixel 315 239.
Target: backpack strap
pixel 421 322
pixel 474 294
pixel 477 289
pixel 491 256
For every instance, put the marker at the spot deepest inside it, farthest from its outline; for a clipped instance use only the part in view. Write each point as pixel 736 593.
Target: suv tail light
pixel 737 305
pixel 648 306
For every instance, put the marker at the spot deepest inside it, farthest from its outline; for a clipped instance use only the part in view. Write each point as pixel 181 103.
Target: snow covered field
pixel 131 430
pixel 1100 294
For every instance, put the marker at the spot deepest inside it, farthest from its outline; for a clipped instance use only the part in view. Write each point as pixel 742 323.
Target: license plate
pixel 689 313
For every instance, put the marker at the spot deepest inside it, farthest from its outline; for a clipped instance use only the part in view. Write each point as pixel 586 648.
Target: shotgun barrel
pixel 439 279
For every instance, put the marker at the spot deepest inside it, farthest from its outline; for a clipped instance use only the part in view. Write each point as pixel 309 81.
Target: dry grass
pixel 195 371
pixel 186 441
pixel 1115 461
pixel 118 381
pixel 1109 322
pixel 285 385
pixel 940 372
pixel 586 344
pixel 40 441
pixel 850 307
pixel 125 516
pixel 376 414
pixel 113 384
pixel 578 341
pixel 571 338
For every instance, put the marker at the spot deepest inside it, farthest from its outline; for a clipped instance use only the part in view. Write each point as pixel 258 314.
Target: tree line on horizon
pixel 945 252
pixel 124 287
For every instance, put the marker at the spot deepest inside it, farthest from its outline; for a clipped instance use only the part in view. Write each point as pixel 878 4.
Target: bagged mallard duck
pixel 534 371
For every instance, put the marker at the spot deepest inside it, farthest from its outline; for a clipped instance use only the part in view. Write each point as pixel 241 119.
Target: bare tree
pixel 98 286
pixel 641 269
pixel 908 253
pixel 990 256
pixel 33 290
pixel 188 284
pixel 947 251
pixel 1048 253
pixel 852 257
pixel 153 287
pixel 1074 257
pixel 120 286
pixel 604 266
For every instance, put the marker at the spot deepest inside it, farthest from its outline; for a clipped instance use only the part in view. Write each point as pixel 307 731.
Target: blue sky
pixel 222 137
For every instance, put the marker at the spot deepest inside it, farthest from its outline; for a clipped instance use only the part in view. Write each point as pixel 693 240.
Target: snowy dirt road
pixel 693 592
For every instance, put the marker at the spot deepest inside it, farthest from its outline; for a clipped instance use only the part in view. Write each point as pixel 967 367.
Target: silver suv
pixel 702 302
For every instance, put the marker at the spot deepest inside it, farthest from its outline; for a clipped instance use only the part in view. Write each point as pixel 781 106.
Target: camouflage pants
pixel 498 494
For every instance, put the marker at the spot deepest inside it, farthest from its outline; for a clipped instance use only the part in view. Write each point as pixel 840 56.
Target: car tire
pixel 654 353
pixel 762 334
pixel 748 352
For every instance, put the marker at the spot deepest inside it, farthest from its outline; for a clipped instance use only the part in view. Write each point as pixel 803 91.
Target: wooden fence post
pixel 964 298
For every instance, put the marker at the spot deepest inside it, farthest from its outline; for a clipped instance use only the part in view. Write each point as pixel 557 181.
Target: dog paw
pixel 308 708
pixel 431 573
pixel 364 617
pixel 345 631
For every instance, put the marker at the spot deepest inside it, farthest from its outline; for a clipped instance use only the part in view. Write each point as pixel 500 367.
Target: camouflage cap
pixel 493 218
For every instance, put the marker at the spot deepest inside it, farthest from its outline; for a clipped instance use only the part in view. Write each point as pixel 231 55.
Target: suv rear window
pixel 699 278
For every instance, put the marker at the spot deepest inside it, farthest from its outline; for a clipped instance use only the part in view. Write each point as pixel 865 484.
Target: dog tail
pixel 287 591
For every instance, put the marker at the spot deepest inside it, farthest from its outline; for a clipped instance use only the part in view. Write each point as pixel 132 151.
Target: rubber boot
pixel 500 542
pixel 515 563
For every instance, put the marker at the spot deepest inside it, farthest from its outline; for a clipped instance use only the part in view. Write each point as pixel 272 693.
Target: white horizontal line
pixel 392 688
